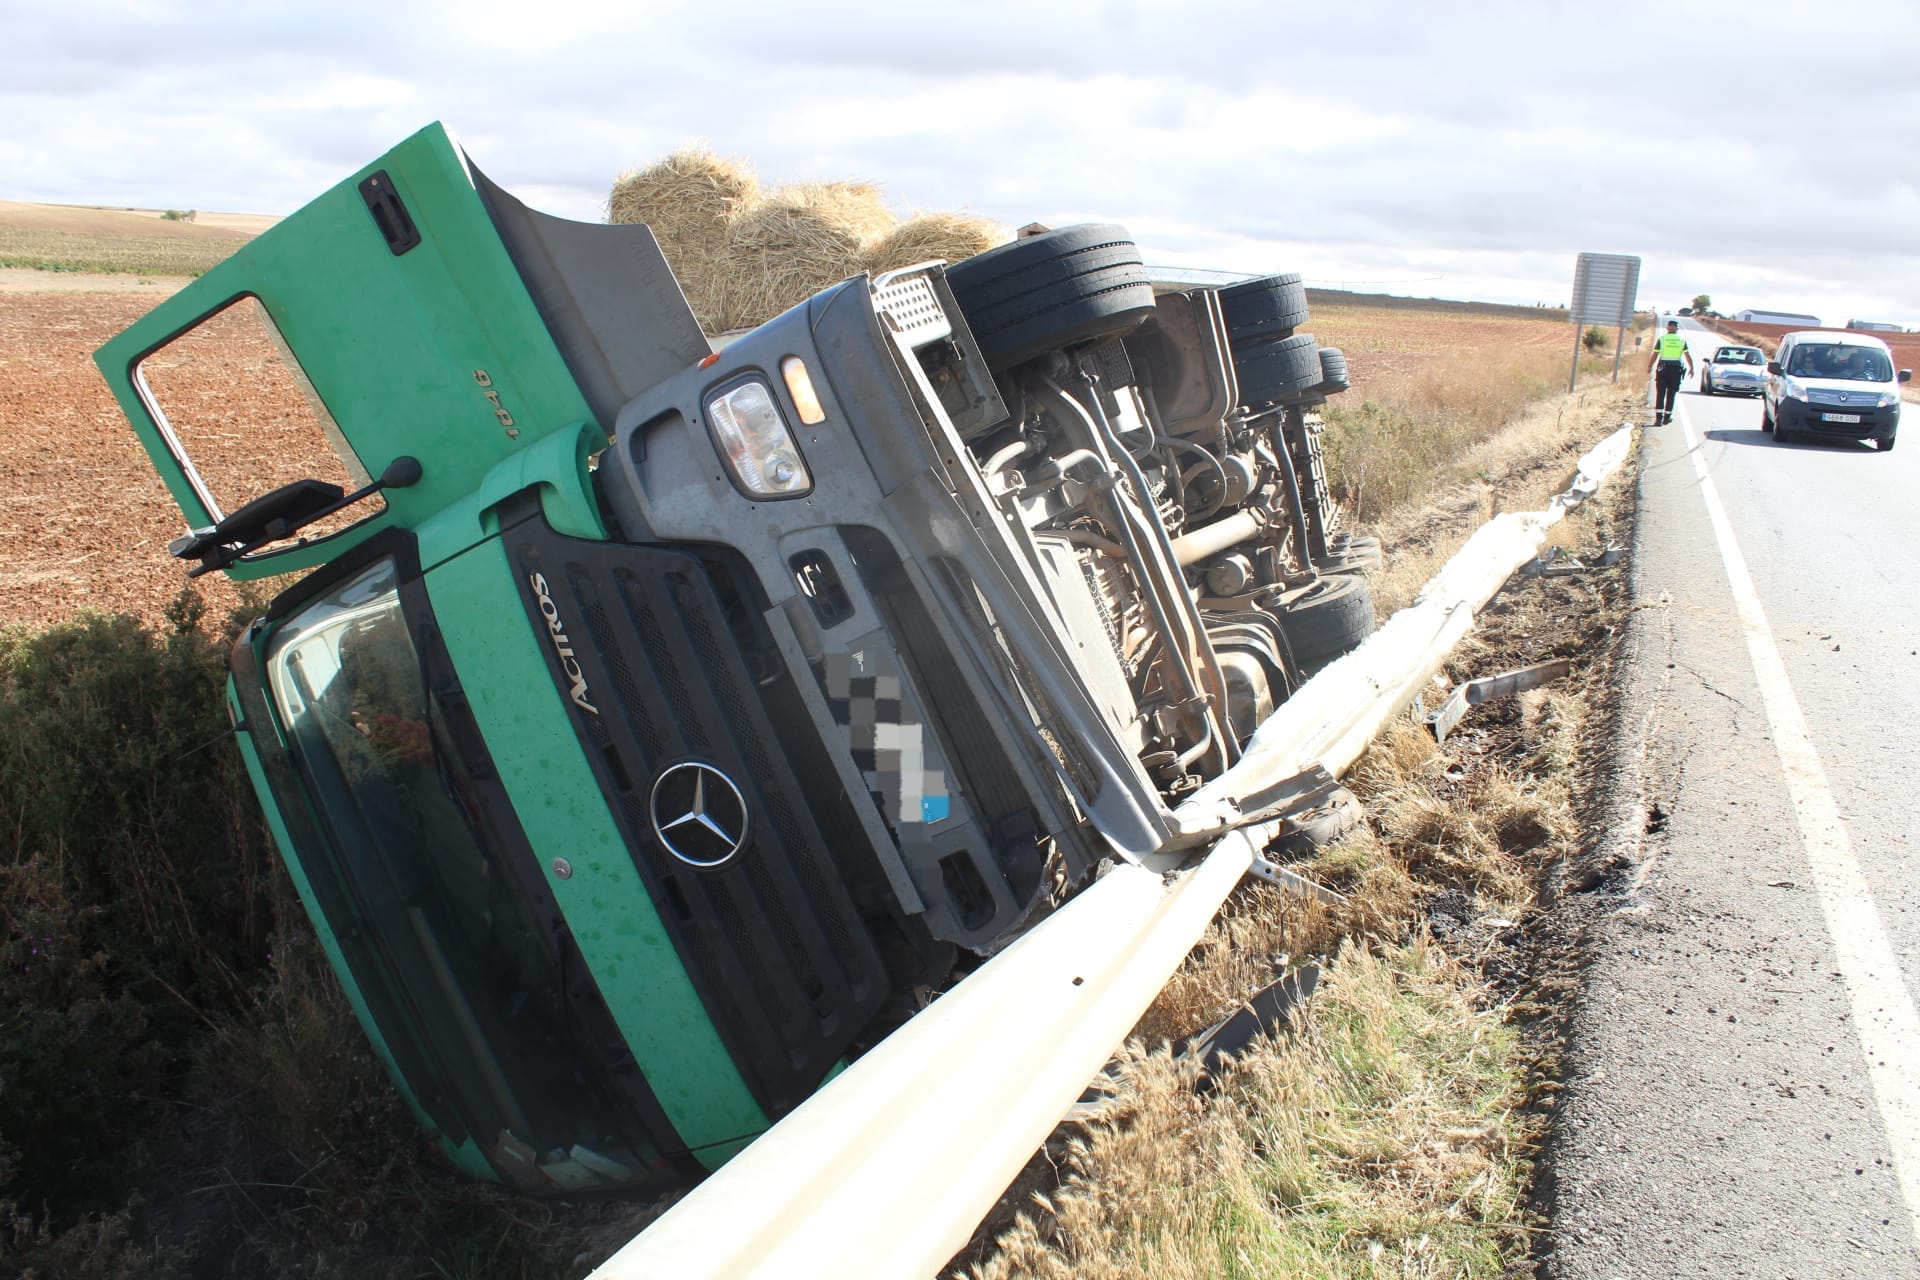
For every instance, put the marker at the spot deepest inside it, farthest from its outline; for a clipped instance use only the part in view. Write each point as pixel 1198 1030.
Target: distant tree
pixel 1701 302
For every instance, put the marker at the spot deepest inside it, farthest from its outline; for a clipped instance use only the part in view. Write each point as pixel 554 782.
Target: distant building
pixel 1874 326
pixel 1777 317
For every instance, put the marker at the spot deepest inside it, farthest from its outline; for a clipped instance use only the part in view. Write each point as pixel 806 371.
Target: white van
pixel 1838 385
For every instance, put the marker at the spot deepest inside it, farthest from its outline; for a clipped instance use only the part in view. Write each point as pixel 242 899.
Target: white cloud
pixel 1749 156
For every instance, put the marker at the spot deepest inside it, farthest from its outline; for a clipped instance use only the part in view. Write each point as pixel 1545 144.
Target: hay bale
pixel 858 209
pixel 743 256
pixel 796 241
pixel 926 236
pixel 690 200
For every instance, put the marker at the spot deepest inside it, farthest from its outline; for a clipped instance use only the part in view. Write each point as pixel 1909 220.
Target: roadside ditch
pixel 1393 1126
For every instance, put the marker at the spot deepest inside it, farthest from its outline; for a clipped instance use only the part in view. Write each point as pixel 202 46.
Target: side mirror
pixel 281 514
pixel 1906 375
pixel 1773 366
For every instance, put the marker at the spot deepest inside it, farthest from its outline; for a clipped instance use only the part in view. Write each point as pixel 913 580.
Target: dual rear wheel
pixel 1052 291
pixel 1083 283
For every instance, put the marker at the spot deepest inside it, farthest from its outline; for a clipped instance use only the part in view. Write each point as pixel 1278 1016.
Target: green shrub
pixel 100 1247
pixel 1594 339
pixel 80 1055
pixel 118 770
pixel 134 887
pixel 183 1086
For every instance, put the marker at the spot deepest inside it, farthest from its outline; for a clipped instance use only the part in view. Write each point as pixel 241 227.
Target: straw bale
pixel 857 208
pixel 690 200
pixel 926 236
pixel 796 241
pixel 743 255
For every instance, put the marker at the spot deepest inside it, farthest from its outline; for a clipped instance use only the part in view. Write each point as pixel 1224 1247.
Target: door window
pixel 242 419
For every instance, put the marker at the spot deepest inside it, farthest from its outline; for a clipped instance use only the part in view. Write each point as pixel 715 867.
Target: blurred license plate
pixel 1839 417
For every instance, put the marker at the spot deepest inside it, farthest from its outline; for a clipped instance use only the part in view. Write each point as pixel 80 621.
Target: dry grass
pixel 1429 388
pixel 1258 929
pixel 1382 1136
pixel 142 255
pixel 1516 469
pixel 1380 1140
pixel 1392 439
pixel 66 239
pixel 35 280
pixel 1441 826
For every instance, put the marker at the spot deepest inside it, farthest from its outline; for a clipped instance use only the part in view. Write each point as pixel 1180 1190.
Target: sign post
pixel 1604 285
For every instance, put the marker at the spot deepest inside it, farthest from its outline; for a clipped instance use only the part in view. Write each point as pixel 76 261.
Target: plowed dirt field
pixel 86 522
pixel 1382 343
pixel 84 519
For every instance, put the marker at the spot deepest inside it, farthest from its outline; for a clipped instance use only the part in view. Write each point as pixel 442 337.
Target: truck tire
pixel 1333 616
pixel 1277 371
pixel 1333 371
pixel 1052 290
pixel 1264 309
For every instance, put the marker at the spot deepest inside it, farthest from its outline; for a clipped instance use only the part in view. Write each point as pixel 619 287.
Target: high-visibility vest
pixel 1672 346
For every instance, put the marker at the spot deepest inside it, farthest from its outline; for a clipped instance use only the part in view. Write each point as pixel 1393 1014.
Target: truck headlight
pixel 752 436
pixel 1887 399
pixel 1793 390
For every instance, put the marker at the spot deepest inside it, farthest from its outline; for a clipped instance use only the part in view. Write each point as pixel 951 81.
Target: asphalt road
pixel 1744 1080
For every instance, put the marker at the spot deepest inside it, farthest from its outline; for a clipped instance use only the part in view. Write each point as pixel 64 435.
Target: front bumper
pixel 1815 419
pixel 1734 384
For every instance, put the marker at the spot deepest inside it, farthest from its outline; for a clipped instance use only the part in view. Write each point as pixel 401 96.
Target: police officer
pixel 1673 362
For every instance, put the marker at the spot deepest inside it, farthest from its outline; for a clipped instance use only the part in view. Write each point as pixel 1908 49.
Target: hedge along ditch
pixel 135 886
pixel 183 1088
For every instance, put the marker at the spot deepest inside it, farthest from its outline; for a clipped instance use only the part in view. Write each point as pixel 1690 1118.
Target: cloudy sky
pixel 1767 154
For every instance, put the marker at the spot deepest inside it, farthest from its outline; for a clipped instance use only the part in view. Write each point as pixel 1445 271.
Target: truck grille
pixel 772 938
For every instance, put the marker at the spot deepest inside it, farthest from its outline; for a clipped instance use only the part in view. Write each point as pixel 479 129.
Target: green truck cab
pixel 656 724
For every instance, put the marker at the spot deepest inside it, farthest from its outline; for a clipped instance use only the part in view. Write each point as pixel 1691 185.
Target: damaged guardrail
pixel 887 1171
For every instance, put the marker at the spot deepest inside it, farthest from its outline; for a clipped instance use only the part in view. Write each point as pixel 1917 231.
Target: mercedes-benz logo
pixel 698 814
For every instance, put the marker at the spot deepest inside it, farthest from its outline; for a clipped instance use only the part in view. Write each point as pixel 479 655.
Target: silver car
pixel 1734 371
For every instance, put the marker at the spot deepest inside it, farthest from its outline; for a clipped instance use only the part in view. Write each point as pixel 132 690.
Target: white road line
pixel 1884 1018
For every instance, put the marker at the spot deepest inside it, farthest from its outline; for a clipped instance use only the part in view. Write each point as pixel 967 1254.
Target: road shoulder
pixel 1717 1118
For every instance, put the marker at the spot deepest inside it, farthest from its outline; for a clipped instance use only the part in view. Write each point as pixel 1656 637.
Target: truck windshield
pixel 460 946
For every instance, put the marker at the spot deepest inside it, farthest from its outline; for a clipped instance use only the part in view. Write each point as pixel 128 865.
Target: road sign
pixel 1604 285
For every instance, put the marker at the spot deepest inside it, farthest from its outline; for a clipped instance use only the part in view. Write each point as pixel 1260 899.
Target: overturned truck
pixel 658 723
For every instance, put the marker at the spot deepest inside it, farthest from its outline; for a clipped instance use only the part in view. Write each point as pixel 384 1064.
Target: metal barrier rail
pixel 1330 720
pixel 887 1171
